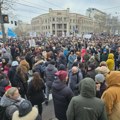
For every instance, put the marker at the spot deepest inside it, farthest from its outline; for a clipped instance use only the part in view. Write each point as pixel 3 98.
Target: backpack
pixel 3 113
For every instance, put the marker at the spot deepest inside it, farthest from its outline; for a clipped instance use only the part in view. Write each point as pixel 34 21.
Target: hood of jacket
pixel 30 116
pixel 58 85
pixel 87 88
pixel 5 101
pixel 112 78
pixel 111 56
pixel 50 67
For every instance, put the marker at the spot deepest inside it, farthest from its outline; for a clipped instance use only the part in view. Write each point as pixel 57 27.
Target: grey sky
pixel 26 9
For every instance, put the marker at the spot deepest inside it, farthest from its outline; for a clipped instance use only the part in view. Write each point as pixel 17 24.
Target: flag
pixel 11 33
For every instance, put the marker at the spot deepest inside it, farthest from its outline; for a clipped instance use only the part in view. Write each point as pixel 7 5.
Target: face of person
pixel 16 95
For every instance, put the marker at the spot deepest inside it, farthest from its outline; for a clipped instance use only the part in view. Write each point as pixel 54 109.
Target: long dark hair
pixel 37 81
pixel 21 73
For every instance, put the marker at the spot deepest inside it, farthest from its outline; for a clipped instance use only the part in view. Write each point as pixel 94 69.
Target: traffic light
pixel 5 18
pixel 11 22
pixel 15 23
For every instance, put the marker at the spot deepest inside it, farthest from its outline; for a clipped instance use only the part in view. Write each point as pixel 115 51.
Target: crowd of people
pixel 82 75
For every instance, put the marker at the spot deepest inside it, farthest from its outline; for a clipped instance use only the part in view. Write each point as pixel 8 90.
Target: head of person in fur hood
pixel 26 112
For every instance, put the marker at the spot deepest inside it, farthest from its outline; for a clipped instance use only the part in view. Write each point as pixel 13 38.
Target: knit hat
pixel 61 74
pixel 24 108
pixel 99 78
pixel 62 67
pixel 15 63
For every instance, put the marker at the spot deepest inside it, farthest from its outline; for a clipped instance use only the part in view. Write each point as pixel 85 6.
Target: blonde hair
pixel 10 92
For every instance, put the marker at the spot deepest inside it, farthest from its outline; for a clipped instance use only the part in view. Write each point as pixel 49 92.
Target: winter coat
pixel 111 96
pixel 32 115
pixel 103 57
pixel 71 60
pixel 61 98
pixel 50 74
pixel 102 89
pixel 20 84
pixel 83 52
pixel 86 106
pixel 36 96
pixel 91 74
pixel 11 73
pixel 74 80
pixel 40 68
pixel 3 83
pixel 30 59
pixel 62 60
pixel 110 62
pixel 25 65
pixel 10 105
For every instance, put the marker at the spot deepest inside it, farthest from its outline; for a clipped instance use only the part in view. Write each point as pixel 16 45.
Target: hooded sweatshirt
pixel 86 106
pixel 50 74
pixel 110 62
pixel 111 96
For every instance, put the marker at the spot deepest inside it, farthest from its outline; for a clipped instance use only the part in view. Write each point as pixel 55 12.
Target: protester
pixel 26 112
pixel 12 71
pixel 74 77
pixel 100 85
pixel 61 95
pixel 86 106
pixel 49 77
pixel 110 62
pixel 35 91
pixel 111 96
pixel 20 81
pixel 9 103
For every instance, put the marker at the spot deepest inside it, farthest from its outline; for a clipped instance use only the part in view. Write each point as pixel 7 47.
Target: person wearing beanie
pixel 110 62
pixel 26 112
pixel 100 85
pixel 12 71
pixel 111 96
pixel 61 95
pixel 62 67
pixel 86 106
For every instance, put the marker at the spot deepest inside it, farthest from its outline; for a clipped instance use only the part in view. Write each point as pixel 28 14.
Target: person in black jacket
pixel 12 71
pixel 35 91
pixel 61 95
pixel 20 81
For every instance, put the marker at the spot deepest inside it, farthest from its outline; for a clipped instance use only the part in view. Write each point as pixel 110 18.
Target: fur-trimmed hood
pixel 30 116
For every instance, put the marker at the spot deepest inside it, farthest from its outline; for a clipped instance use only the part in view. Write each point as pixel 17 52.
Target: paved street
pixel 48 111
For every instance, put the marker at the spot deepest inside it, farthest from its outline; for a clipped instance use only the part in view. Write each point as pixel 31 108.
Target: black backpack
pixel 3 113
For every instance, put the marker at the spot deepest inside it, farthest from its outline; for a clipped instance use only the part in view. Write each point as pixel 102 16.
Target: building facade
pixel 99 18
pixel 62 23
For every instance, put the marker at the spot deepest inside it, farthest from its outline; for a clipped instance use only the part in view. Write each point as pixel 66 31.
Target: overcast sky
pixel 27 9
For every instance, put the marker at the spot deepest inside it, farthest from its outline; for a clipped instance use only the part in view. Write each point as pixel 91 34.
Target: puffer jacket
pixel 86 106
pixel 111 96
pixel 50 74
pixel 61 98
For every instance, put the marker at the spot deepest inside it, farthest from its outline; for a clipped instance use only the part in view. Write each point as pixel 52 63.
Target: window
pixel 65 26
pixel 53 19
pixel 59 26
